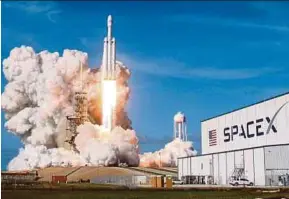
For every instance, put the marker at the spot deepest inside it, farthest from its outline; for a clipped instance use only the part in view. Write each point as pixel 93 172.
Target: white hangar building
pixel 251 142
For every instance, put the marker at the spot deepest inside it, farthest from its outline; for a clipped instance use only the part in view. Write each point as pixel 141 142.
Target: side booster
pixel 108 69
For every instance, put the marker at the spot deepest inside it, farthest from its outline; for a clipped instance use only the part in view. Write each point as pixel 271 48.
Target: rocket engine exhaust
pixel 108 103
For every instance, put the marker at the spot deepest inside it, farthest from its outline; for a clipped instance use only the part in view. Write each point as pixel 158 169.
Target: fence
pixel 130 181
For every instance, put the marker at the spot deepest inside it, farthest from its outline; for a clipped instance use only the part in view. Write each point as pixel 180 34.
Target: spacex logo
pixel 252 128
pixel 245 130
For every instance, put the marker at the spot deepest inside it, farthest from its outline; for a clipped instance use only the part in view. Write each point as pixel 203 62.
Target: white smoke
pixel 167 157
pixel 100 147
pixel 39 92
pixel 36 100
pixel 40 157
pixel 97 147
pixel 39 95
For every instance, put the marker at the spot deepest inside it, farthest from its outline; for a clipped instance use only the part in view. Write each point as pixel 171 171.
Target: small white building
pixel 251 142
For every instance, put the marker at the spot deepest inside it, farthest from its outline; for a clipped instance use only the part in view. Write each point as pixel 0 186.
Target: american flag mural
pixel 213 137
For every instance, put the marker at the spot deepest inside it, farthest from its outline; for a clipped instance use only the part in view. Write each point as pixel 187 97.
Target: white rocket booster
pixel 108 69
pixel 108 77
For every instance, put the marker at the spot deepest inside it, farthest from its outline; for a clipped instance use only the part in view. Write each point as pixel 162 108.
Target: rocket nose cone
pixel 109 20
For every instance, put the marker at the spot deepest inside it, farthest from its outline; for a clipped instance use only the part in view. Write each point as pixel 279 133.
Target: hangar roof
pixel 246 106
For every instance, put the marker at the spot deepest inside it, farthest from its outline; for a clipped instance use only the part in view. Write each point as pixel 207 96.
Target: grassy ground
pixel 63 187
pixel 104 191
pixel 136 194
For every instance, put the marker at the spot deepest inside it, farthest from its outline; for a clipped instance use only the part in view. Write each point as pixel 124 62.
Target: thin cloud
pixel 171 68
pixel 52 13
pixel 226 74
pixel 35 7
pixel 264 26
pixel 227 22
pixel 271 8
pixel 90 43
pixel 245 91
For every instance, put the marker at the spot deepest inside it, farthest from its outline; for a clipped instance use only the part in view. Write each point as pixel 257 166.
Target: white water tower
pixel 180 126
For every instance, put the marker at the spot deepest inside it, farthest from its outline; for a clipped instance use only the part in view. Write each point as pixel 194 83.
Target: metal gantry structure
pixel 79 117
pixel 238 172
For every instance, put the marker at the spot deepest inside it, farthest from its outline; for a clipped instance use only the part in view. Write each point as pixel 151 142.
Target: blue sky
pixel 203 58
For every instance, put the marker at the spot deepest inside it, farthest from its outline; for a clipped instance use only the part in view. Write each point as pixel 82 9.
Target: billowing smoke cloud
pixel 39 95
pixel 167 157
pixel 117 146
pixel 40 157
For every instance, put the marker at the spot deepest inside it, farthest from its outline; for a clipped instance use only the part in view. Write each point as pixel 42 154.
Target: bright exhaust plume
pixel 108 103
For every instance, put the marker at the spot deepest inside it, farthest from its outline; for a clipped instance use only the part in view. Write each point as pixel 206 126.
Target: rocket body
pixel 108 78
pixel 108 69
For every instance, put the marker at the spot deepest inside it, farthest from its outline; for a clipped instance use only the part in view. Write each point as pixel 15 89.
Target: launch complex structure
pixel 108 80
pixel 79 117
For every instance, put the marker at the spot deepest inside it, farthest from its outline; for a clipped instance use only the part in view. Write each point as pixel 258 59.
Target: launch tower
pixel 79 116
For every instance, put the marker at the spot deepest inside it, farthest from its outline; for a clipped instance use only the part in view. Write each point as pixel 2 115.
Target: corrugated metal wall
pixel 222 168
pixel 277 165
pixel 277 157
pixel 262 166
pixel 216 173
pixel 230 163
pixel 259 166
pixel 249 165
